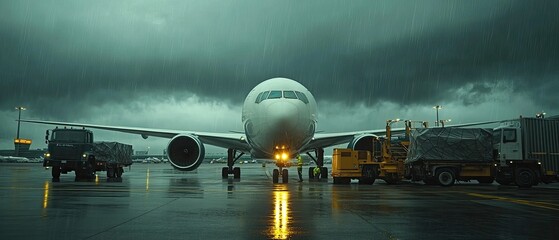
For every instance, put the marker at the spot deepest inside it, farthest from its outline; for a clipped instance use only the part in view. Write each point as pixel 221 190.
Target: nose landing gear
pixel 284 175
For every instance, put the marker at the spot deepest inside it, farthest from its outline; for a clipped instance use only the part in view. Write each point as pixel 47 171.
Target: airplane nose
pixel 283 112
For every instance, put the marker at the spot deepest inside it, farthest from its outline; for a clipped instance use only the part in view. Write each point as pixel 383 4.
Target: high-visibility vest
pixel 299 161
pixel 316 171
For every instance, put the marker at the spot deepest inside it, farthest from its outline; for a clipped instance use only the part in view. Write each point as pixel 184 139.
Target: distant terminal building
pixel 22 144
pixel 24 149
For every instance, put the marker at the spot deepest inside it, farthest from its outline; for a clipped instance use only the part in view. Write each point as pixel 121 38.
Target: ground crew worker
pixel 300 167
pixel 316 172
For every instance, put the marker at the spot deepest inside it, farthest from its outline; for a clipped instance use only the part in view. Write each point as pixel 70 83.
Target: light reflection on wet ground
pixel 279 227
pixel 154 201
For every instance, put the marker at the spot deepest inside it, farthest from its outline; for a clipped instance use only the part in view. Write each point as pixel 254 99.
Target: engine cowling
pixel 362 142
pixel 185 152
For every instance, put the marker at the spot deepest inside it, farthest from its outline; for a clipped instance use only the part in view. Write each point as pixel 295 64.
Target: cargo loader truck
pixel 523 152
pixel 72 149
pixel 382 158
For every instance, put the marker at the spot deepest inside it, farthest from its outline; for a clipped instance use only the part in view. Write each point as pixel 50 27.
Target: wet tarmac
pixel 153 201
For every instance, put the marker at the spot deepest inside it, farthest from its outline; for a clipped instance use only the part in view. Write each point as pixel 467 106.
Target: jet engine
pixel 363 142
pixel 185 152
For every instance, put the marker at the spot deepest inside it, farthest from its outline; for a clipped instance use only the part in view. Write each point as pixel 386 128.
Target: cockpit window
pixel 258 98
pixel 279 94
pixel 289 95
pixel 261 96
pixel 302 97
pixel 274 94
pixel 264 95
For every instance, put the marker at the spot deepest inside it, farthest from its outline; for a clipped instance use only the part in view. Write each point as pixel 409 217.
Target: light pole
pixel 18 122
pixel 437 108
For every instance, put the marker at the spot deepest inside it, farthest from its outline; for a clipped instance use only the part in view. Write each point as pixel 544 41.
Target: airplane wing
pixel 322 140
pixel 224 140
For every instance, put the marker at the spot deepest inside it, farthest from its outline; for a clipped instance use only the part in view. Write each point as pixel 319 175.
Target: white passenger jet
pixel 279 117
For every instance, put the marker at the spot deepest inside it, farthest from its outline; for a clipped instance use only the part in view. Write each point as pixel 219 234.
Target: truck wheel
pixel 446 177
pixel 524 177
pixel 79 175
pixel 55 174
pixel 110 172
pixel 119 172
pixel 284 176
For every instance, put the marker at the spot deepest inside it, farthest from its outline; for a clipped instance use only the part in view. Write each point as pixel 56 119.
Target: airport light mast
pixel 18 123
pixel 437 108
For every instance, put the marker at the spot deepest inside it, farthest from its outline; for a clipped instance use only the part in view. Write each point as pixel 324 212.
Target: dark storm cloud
pixel 518 45
pixel 78 54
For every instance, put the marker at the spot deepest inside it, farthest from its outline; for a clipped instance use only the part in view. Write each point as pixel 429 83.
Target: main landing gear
pixel 319 160
pixel 231 159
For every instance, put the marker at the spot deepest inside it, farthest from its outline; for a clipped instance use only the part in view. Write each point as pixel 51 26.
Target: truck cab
pixel 509 153
pixel 68 150
pixel 507 144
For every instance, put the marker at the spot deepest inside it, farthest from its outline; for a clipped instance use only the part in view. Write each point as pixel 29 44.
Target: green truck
pixel 72 149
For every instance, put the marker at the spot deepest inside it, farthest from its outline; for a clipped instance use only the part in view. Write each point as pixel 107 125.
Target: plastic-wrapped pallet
pixel 451 144
pixel 113 152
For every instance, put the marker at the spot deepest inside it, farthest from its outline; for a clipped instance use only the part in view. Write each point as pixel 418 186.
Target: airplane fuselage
pixel 279 113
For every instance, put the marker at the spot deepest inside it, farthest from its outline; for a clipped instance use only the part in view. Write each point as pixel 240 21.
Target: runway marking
pixel 545 205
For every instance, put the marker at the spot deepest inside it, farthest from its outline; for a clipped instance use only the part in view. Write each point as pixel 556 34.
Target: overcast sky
pixel 189 64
